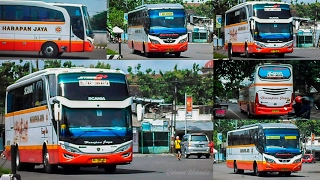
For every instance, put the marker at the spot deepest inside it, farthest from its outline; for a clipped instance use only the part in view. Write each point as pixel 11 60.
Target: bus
pixel 65 117
pixel 158 28
pixel 264 147
pixel 260 28
pixel 49 28
pixel 270 92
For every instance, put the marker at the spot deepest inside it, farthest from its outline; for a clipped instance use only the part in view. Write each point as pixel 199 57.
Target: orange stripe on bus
pixel 35 109
pixel 232 25
pixel 29 22
pixel 35 147
pixel 33 40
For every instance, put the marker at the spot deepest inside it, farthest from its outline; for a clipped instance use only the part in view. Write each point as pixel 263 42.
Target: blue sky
pixel 164 65
pixel 94 6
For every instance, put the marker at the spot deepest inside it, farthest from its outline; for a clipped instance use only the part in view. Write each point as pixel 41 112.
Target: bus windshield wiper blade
pixel 84 132
pixel 111 130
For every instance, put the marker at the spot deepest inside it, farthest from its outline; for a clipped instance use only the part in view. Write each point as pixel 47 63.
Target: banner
pixel 219 138
pixel 188 103
pixel 218 21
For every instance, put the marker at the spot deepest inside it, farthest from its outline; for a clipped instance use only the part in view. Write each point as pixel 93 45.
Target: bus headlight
pixel 260 44
pixel 268 160
pixel 297 160
pixel 183 40
pixel 70 149
pixel 154 41
pixel 123 148
pixel 288 44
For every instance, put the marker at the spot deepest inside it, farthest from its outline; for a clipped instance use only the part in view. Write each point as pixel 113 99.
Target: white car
pixel 233 101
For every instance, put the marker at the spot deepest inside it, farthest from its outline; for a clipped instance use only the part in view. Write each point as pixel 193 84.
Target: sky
pixel 156 65
pixel 94 6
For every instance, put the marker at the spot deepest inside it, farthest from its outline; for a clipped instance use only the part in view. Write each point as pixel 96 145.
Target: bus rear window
pixel 274 72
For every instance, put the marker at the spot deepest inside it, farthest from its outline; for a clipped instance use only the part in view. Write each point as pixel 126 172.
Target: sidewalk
pixel 315 114
pixel 151 155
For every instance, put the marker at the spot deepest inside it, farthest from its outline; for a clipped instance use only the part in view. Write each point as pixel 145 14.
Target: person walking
pixel 177 144
pixel 211 146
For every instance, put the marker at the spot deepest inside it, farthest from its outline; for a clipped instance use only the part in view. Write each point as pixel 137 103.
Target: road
pixel 97 54
pixel 233 112
pixel 194 52
pixel 309 172
pixel 298 54
pixel 156 167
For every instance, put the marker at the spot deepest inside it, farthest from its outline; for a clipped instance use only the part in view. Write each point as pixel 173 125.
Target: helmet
pixel 298 99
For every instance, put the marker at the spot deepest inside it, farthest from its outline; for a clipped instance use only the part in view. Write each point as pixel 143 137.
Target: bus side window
pixel 9 13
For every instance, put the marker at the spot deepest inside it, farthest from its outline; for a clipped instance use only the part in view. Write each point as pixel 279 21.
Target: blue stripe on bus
pixel 168 30
pixel 273 36
pixel 262 6
pixel 280 150
pixel 98 132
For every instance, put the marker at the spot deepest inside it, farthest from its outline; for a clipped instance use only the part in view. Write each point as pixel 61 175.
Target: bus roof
pixel 273 64
pixel 254 2
pixel 66 4
pixel 271 125
pixel 58 71
pixel 158 6
pixel 21 2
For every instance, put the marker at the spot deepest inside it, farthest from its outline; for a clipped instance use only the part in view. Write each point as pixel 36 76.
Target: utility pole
pixel 30 66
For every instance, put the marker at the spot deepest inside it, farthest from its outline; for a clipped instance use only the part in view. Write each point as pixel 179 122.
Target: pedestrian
pixel 177 144
pixel 211 146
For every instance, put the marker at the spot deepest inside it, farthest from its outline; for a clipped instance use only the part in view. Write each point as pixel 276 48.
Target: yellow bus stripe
pixel 25 111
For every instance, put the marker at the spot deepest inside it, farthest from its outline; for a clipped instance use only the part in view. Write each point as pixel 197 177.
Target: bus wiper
pixel 84 132
pixel 111 130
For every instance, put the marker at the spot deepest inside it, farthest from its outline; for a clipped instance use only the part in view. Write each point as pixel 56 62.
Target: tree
pixel 98 21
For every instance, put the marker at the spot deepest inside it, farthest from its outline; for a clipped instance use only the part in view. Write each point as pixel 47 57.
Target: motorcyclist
pixel 297 106
pixel 305 109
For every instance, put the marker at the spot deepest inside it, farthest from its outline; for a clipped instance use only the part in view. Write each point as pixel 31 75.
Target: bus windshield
pixel 273 32
pixel 101 120
pixel 272 11
pixel 274 72
pixel 167 18
pixel 93 86
pixel 282 140
pixel 89 31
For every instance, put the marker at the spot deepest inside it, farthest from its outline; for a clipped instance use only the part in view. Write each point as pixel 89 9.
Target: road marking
pixel 235 114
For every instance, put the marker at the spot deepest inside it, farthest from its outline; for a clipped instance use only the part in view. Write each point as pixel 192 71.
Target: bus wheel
pixel 236 170
pixel 248 112
pixel 48 168
pixel 246 52
pixel 146 54
pixel 19 165
pixel 49 50
pixel 110 169
pixel 133 50
pixel 178 54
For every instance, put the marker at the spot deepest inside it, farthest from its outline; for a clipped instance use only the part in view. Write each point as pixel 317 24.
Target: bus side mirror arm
pixel 57 110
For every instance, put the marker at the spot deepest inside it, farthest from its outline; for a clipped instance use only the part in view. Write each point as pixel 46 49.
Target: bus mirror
pixel 139 111
pixel 57 112
pixel 252 24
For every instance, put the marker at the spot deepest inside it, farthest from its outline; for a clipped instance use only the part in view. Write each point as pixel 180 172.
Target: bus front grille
pixel 275 91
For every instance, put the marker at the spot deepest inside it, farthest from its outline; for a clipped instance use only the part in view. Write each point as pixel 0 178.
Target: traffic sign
pixel 218 21
pixel 125 18
pixel 219 137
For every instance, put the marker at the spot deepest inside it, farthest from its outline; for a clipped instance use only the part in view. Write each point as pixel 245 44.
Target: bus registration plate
pixel 169 50
pixel 275 111
pixel 274 51
pixel 99 160
pixel 94 83
pixel 284 169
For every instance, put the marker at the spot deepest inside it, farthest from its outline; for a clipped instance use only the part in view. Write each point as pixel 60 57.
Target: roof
pixel 255 2
pixel 272 125
pixel 160 6
pixel 195 125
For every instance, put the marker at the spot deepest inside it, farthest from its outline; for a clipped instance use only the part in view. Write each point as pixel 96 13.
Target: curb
pixel 222 59
pixel 114 56
pixel 100 47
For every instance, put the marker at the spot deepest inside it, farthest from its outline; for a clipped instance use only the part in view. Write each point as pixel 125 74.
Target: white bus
pixel 260 28
pixel 69 117
pixel 270 91
pixel 45 27
pixel 266 147
pixel 158 28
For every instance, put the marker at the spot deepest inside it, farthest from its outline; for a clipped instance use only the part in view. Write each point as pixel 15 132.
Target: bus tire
pixel 146 54
pixel 19 165
pixel 256 170
pixel 246 51
pixel 47 167
pixel 110 169
pixel 236 170
pixel 177 55
pixel 248 112
pixel 49 50
pixel 133 50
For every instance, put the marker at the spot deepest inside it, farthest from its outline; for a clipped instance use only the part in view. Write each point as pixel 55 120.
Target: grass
pixel 218 55
pixel 5 171
pixel 102 45
pixel 111 52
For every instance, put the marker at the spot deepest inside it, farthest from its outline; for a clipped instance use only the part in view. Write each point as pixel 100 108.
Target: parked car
pixel 308 158
pixel 195 144
pixel 233 101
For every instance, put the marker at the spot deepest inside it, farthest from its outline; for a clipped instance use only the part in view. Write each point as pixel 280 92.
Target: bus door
pixel 77 34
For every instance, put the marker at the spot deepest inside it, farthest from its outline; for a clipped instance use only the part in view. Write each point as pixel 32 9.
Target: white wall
pixel 195 116
pixel 100 37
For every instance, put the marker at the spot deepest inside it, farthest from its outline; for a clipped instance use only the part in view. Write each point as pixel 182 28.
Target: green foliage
pixel 98 21
pixel 5 171
pixel 111 52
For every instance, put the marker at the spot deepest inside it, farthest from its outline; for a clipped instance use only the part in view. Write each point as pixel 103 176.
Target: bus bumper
pixel 88 47
pixel 271 50
pixel 166 48
pixel 269 167
pixel 68 158
pixel 272 111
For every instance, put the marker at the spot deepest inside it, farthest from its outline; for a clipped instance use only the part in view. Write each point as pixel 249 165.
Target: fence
pixel 154 142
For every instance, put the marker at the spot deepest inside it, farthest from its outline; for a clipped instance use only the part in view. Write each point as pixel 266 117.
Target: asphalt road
pixel 194 52
pixel 97 54
pixel 298 54
pixel 156 167
pixel 309 172
pixel 233 112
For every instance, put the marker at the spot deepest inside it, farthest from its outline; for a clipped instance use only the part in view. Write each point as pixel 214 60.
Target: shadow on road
pixel 35 56
pixel 268 175
pixel 94 170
